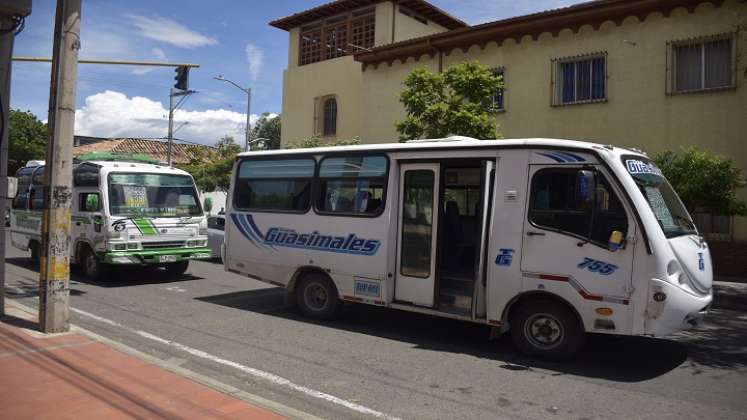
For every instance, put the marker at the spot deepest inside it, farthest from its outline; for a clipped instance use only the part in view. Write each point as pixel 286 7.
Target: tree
pixel 704 181
pixel 212 170
pixel 28 139
pixel 207 205
pixel 267 127
pixel 456 102
pixel 317 141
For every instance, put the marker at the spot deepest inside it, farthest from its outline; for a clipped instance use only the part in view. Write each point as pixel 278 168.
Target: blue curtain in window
pixel 568 73
pixel 598 78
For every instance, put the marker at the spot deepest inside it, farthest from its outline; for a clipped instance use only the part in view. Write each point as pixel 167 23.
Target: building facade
pixel 654 75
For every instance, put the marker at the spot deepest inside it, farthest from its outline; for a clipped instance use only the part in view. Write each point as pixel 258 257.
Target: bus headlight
pixel 133 245
pixel 196 243
pixel 118 247
pixel 202 231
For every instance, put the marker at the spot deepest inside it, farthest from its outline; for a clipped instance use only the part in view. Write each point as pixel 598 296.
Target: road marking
pixel 175 289
pixel 271 377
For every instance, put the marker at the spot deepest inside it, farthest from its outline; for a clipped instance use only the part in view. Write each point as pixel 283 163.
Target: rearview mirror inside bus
pixel 585 187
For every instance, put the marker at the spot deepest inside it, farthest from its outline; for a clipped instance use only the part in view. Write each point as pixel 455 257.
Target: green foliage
pixel 212 170
pixel 207 204
pixel 704 182
pixel 268 128
pixel 317 141
pixel 28 140
pixel 456 102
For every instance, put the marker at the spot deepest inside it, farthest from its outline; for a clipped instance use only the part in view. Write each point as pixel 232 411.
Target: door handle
pixel 535 234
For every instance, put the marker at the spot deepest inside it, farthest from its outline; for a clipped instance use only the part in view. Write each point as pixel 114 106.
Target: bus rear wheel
pixel 546 329
pixel 316 296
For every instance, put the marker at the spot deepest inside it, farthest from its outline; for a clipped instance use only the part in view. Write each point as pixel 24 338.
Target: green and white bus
pixel 124 214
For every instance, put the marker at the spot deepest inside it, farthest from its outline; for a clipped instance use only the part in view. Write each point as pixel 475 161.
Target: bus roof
pixel 455 142
pixel 138 167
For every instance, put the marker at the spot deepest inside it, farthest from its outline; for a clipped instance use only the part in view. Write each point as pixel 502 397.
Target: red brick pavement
pixel 71 376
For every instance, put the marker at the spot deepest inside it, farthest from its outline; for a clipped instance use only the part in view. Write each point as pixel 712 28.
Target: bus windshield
pixel 666 205
pixel 152 195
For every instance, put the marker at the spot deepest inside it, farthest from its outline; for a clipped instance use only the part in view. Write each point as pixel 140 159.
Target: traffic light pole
pixel 171 125
pixel 54 270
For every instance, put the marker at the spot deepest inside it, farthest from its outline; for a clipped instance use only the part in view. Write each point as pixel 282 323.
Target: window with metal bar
pixel 703 64
pixel 330 117
pixel 580 80
pixel 337 36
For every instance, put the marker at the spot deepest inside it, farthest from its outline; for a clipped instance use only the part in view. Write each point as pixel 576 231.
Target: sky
pixel 231 38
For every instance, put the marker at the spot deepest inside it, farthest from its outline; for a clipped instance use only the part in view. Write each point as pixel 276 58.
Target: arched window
pixel 330 117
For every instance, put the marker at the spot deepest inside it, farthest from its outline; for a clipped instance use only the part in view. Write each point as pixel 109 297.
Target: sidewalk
pixel 73 376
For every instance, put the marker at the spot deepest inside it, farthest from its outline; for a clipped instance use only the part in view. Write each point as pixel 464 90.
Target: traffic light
pixel 182 78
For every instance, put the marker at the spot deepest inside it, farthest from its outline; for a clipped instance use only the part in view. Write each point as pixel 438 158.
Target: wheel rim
pixel 315 296
pixel 544 331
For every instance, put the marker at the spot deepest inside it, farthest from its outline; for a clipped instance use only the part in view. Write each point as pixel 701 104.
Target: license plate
pixel 367 288
pixel 167 258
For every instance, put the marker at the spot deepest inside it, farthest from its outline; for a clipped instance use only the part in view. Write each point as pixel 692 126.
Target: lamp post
pixel 248 92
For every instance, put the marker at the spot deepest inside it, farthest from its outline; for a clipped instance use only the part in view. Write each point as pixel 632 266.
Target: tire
pixel 546 329
pixel 92 267
pixel 316 297
pixel 177 269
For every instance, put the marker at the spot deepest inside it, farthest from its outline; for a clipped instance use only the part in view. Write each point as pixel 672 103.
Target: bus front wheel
pixel 91 265
pixel 316 296
pixel 546 329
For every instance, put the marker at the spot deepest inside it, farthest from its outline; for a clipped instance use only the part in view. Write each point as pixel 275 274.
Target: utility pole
pixel 12 14
pixel 54 271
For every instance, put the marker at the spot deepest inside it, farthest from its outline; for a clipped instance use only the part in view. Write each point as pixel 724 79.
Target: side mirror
pixel 617 241
pixel 586 182
pixel 98 221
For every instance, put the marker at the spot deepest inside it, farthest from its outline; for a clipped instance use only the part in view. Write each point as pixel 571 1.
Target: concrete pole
pixel 6 52
pixel 171 125
pixel 54 272
pixel 248 116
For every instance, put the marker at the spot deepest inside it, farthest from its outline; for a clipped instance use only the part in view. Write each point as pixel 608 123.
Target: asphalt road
pixel 239 331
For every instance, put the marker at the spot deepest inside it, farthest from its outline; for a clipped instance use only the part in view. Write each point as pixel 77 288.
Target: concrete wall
pixel 301 85
pixel 406 27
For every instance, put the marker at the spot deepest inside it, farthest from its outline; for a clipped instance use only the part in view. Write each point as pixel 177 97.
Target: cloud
pixel 168 31
pixel 158 53
pixel 256 59
pixel 159 56
pixel 113 114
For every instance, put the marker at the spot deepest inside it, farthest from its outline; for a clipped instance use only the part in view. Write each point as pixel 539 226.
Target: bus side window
pixel 352 185
pixel 274 185
pixel 554 205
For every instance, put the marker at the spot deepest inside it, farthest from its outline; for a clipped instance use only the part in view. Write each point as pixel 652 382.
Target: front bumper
pixel 679 310
pixel 156 256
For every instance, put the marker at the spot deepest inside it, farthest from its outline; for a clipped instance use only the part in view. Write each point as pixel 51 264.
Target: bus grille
pixel 163 244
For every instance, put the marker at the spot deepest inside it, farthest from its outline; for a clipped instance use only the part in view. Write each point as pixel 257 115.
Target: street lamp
pixel 248 92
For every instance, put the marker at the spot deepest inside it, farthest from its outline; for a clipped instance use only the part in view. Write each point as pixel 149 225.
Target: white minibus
pixel 124 214
pixel 545 239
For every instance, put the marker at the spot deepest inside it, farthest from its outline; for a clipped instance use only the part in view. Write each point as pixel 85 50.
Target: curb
pixel 211 383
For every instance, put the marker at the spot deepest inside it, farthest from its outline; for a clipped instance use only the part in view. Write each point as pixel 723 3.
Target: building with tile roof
pixel 154 148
